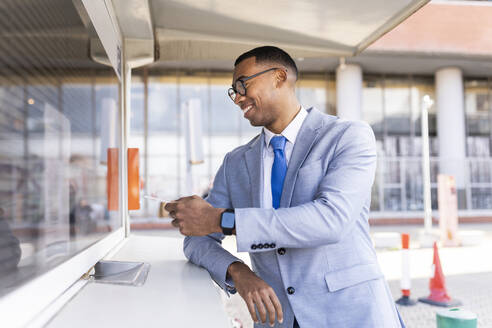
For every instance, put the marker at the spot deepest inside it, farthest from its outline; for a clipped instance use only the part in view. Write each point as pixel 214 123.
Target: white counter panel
pixel 176 293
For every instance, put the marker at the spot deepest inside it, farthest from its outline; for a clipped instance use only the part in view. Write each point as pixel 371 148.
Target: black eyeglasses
pixel 240 87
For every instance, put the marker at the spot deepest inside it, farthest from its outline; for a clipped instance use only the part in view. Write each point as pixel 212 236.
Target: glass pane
pixel 392 171
pixel 58 117
pixel 163 154
pixel 397 106
pixel 478 146
pixel 136 137
pixel 195 89
pixel 414 184
pixel 392 199
pixel 477 107
pixel 434 198
pixel 417 146
pixel 481 198
pixel 316 91
pixel 480 170
pixel 137 110
pixel 372 105
pixel 375 195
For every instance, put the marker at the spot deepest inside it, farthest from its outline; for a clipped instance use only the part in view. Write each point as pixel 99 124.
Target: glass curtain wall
pixel 478 107
pixel 392 106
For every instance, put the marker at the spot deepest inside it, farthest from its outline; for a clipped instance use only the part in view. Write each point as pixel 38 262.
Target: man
pixel 297 198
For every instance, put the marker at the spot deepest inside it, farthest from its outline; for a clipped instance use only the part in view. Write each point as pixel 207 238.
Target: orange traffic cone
pixel 438 294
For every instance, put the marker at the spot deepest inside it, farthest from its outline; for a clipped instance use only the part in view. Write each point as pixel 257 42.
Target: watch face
pixel 228 220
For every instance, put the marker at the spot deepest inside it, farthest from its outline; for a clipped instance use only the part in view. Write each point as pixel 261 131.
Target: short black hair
pixel 269 54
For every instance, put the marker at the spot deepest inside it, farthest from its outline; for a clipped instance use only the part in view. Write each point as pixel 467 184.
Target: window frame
pixel 22 305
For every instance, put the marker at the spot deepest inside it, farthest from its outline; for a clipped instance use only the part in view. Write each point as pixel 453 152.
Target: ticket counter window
pixel 58 123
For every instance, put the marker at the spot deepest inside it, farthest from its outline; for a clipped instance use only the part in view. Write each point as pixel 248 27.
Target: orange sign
pixel 112 179
pixel 133 179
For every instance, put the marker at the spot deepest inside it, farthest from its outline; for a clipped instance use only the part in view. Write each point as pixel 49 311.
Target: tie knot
pixel 278 142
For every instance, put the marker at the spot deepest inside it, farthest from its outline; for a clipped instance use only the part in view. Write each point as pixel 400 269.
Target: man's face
pixel 261 92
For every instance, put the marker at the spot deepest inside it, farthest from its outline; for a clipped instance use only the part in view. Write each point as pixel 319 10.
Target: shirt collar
pixel 291 131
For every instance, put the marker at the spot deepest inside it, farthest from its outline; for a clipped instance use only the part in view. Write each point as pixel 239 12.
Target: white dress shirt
pixel 290 133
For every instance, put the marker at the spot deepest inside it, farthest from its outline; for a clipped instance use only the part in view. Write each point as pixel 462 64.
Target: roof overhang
pixel 222 29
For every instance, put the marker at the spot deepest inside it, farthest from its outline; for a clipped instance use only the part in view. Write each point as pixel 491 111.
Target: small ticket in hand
pixel 162 211
pixel 157 199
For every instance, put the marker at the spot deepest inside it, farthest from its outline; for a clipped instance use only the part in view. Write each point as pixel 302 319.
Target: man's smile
pixel 246 109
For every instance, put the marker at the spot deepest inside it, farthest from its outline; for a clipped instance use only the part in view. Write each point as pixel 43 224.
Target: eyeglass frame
pixel 244 79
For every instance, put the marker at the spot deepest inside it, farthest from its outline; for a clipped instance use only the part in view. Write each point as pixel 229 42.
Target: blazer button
pixel 253 246
pixel 272 245
pixel 260 246
pixel 281 251
pixel 291 290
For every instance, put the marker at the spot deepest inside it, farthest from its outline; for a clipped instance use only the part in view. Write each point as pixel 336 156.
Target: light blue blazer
pixel 322 224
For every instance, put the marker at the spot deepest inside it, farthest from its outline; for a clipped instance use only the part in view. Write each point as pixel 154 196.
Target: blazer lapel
pixel 304 142
pixel 254 163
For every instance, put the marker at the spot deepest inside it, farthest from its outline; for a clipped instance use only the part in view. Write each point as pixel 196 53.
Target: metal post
pixel 146 138
pixel 381 170
pixel 468 181
pixel 93 120
pixel 179 144
pixel 426 103
pixel 125 96
pixel 403 182
pixel 209 127
pixel 26 165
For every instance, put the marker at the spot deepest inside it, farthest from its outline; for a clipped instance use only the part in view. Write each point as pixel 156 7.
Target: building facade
pixel 384 86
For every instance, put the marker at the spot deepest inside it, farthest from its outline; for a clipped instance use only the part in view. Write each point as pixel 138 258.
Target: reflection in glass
pixel 52 174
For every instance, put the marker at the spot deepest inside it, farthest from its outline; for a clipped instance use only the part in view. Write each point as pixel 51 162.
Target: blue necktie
pixel 279 169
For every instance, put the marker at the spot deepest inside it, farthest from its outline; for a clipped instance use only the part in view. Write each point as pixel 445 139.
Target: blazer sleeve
pixel 338 203
pixel 207 251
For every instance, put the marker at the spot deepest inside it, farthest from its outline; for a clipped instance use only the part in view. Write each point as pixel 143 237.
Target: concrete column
pixel 451 123
pixel 349 92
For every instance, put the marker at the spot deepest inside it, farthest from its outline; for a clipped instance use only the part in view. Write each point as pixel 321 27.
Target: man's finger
pixel 171 206
pixel 251 308
pixel 278 307
pixel 175 223
pixel 261 307
pixel 269 306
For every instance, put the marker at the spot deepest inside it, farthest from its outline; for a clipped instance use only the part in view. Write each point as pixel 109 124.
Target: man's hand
pixel 194 216
pixel 255 291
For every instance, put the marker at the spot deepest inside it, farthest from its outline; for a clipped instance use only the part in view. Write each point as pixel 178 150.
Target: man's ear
pixel 280 77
